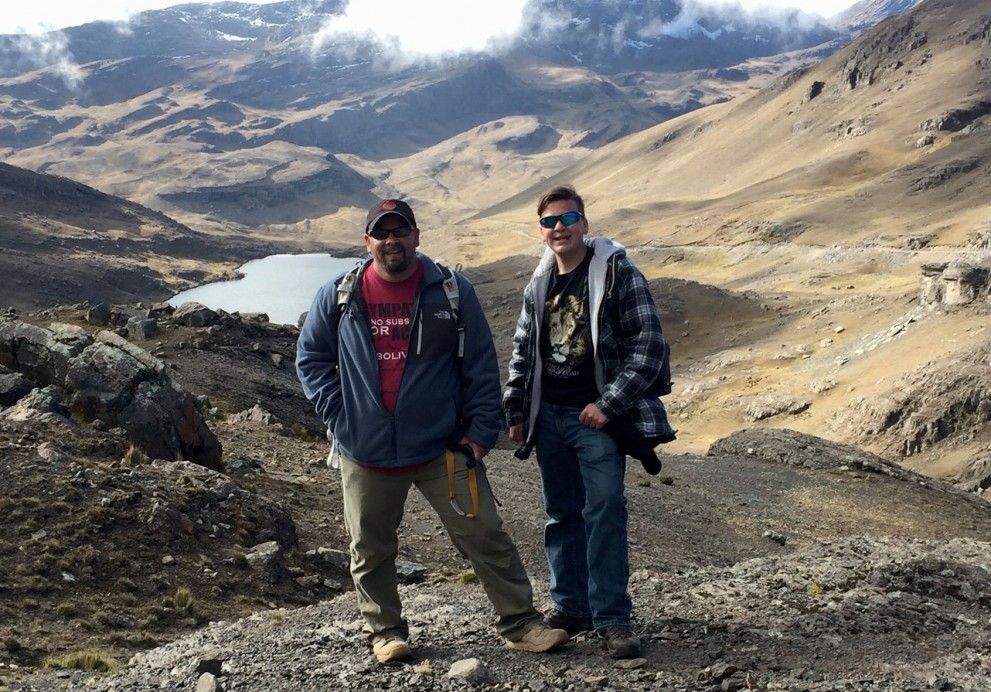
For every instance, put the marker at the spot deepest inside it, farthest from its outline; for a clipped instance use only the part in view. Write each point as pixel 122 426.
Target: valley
pixel 808 202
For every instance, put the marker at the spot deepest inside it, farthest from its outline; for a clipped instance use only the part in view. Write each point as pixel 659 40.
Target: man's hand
pixel 516 433
pixel 592 417
pixel 479 452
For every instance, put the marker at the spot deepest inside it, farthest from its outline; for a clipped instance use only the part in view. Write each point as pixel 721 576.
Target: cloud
pixel 714 18
pixel 410 31
pixel 51 49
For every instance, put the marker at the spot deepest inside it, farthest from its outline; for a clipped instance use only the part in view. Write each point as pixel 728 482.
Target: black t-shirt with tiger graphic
pixel 566 352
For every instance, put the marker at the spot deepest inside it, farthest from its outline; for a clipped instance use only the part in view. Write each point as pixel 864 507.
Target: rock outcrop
pixel 886 50
pixel 770 405
pixel 943 399
pixel 953 284
pixel 109 382
pixel 807 451
pixel 976 475
pixel 958 118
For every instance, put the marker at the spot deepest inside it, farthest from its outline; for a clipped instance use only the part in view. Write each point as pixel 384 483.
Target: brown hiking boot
pixel 389 647
pixel 572 624
pixel 538 639
pixel 619 641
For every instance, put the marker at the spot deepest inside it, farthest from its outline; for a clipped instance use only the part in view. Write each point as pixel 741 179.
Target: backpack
pixel 661 386
pixel 345 288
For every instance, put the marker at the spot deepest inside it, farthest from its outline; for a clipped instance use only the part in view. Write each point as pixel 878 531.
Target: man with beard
pixel 402 376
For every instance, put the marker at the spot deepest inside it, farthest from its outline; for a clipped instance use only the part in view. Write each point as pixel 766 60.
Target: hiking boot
pixel 389 647
pixel 538 639
pixel 619 641
pixel 572 624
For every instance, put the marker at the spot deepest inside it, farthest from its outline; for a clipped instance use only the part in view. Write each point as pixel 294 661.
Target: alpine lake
pixel 281 286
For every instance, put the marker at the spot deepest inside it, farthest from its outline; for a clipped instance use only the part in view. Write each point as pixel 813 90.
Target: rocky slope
pixel 756 564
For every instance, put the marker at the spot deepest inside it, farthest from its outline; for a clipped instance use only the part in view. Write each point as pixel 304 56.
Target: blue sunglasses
pixel 568 218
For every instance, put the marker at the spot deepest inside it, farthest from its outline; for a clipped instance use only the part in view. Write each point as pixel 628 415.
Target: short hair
pixel 563 192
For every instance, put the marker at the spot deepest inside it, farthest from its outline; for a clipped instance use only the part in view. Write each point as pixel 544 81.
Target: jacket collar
pixel 604 249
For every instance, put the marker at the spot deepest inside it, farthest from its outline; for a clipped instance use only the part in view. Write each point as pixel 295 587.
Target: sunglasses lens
pixel 567 219
pixel 383 233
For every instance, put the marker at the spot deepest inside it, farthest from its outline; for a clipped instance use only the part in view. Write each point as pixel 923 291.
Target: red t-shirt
pixel 390 311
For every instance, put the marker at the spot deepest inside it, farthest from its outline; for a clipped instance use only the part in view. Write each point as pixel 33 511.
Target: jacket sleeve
pixel 317 358
pixel 514 395
pixel 481 412
pixel 641 343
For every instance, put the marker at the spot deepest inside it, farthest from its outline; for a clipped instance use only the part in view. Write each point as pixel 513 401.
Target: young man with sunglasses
pixel 587 349
pixel 402 377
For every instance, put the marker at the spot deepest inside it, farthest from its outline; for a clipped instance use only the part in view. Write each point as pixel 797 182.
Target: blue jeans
pixel 582 475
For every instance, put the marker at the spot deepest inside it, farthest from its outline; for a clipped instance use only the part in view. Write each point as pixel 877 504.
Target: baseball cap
pixel 389 206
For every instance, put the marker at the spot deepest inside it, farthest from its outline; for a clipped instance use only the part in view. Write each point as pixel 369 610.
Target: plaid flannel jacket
pixel 627 337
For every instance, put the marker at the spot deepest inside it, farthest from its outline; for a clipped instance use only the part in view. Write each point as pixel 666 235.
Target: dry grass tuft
pixel 92 660
pixel 183 599
pixel 135 457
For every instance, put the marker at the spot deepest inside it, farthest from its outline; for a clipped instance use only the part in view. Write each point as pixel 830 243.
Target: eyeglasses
pixel 383 233
pixel 568 218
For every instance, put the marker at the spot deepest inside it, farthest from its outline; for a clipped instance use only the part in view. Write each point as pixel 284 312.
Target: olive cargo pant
pixel 373 509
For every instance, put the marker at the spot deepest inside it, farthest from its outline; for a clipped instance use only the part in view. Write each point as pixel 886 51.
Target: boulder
pixel 142 328
pixel 120 315
pixel 195 315
pixel 13 386
pixel 208 682
pixel 42 355
pixel 163 420
pixel 964 283
pixel 103 380
pixel 99 314
pixel 470 670
pixel 47 403
pixel 124 386
pixel 771 405
pixel 266 559
pixel 160 310
pixel 410 572
pixel 814 90
pixel 956 119
pixel 255 414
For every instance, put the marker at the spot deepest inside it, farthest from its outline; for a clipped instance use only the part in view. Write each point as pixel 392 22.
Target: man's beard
pixel 395 263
